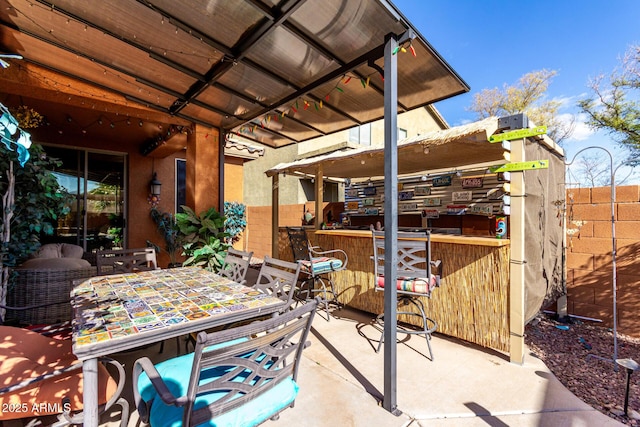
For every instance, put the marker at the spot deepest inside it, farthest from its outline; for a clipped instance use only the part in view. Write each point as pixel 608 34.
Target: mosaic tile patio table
pixel 125 311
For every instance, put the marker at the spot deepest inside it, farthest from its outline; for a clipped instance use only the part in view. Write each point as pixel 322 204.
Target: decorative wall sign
pixel 456 209
pixel 352 192
pixel 461 196
pixel 485 209
pixel 518 134
pixel 495 194
pixel 370 201
pixel 433 201
pixel 422 191
pixel 472 182
pixel 404 207
pixel 371 211
pixel 369 191
pixel 521 166
pixel 405 195
pixel 503 176
pixel 442 181
pixel 353 206
pixel 430 213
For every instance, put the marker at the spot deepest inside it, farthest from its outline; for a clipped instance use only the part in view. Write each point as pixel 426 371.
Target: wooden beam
pixel 517 273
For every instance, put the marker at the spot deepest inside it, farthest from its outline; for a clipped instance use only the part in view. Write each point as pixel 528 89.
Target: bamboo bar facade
pixel 471 301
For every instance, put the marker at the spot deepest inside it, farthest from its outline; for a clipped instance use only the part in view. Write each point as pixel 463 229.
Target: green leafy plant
pixel 203 237
pixel 168 227
pixel 39 202
pixel 236 220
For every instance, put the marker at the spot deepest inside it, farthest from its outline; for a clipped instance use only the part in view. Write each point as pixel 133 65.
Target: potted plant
pixel 203 237
pixel 168 227
pixel 236 220
pixel 32 199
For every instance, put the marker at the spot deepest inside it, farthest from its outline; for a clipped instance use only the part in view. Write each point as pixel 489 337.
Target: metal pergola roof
pixel 275 72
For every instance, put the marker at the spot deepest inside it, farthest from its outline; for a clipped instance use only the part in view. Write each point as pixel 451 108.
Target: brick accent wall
pixel 590 255
pixel 258 231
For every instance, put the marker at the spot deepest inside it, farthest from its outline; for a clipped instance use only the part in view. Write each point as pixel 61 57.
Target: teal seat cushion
pixel 321 265
pixel 175 373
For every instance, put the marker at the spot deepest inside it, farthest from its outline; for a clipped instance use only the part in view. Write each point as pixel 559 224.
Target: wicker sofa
pixel 41 286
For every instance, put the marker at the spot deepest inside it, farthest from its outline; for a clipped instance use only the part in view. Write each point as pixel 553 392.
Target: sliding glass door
pixel 96 179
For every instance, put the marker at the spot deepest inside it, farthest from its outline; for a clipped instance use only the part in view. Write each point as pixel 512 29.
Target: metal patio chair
pixel 278 278
pixel 417 276
pixel 235 377
pixel 116 261
pixel 236 265
pixel 316 264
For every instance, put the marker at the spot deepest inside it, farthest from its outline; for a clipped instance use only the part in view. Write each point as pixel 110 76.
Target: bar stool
pixel 316 264
pixel 415 279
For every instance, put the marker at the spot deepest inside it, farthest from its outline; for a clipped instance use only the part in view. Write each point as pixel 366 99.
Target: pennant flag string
pixel 344 80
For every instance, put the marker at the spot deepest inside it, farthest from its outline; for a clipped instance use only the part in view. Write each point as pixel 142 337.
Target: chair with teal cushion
pixel 238 377
pixel 416 276
pixel 316 264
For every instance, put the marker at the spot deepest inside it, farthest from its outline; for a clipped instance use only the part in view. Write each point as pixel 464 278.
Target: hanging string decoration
pixel 14 138
pixel 28 117
pixel 294 107
pixel 403 48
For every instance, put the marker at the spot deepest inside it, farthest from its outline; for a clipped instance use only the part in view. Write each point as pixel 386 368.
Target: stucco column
pixel 203 168
pixel 275 215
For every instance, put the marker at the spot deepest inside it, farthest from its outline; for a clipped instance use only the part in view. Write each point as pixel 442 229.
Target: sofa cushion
pixel 55 264
pixel 25 355
pixel 58 250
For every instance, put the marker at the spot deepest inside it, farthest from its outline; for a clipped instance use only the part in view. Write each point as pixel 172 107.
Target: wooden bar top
pixel 435 237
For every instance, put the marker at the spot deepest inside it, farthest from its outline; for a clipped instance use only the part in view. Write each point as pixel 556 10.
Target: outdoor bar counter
pixel 472 301
pixel 461 179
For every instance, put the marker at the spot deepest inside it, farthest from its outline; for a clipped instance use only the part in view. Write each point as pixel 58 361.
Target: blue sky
pixel 494 42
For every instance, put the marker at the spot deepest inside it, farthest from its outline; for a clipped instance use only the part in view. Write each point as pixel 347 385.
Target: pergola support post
pixel 389 401
pixel 275 214
pixel 319 190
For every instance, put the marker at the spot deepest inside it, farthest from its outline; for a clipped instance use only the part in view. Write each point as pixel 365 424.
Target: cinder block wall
pixel 590 255
pixel 258 231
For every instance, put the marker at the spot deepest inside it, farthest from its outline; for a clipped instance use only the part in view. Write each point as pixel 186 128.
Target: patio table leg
pixel 90 392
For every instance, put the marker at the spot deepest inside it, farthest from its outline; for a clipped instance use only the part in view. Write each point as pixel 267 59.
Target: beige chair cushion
pixel 55 264
pixel 58 250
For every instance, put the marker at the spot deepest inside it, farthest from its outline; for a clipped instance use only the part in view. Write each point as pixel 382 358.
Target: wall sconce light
pixel 154 188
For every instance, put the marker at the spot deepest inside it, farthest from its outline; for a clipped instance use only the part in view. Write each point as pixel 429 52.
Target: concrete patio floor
pixel 341 383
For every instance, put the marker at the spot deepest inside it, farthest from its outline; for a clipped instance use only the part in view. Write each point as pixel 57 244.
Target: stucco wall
pixel 257 186
pixel 590 255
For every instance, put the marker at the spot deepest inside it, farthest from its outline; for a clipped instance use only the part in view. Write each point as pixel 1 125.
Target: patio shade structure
pixel 448 149
pixel 274 72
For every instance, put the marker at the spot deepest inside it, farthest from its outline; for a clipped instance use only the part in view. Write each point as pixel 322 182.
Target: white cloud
pixel 581 130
